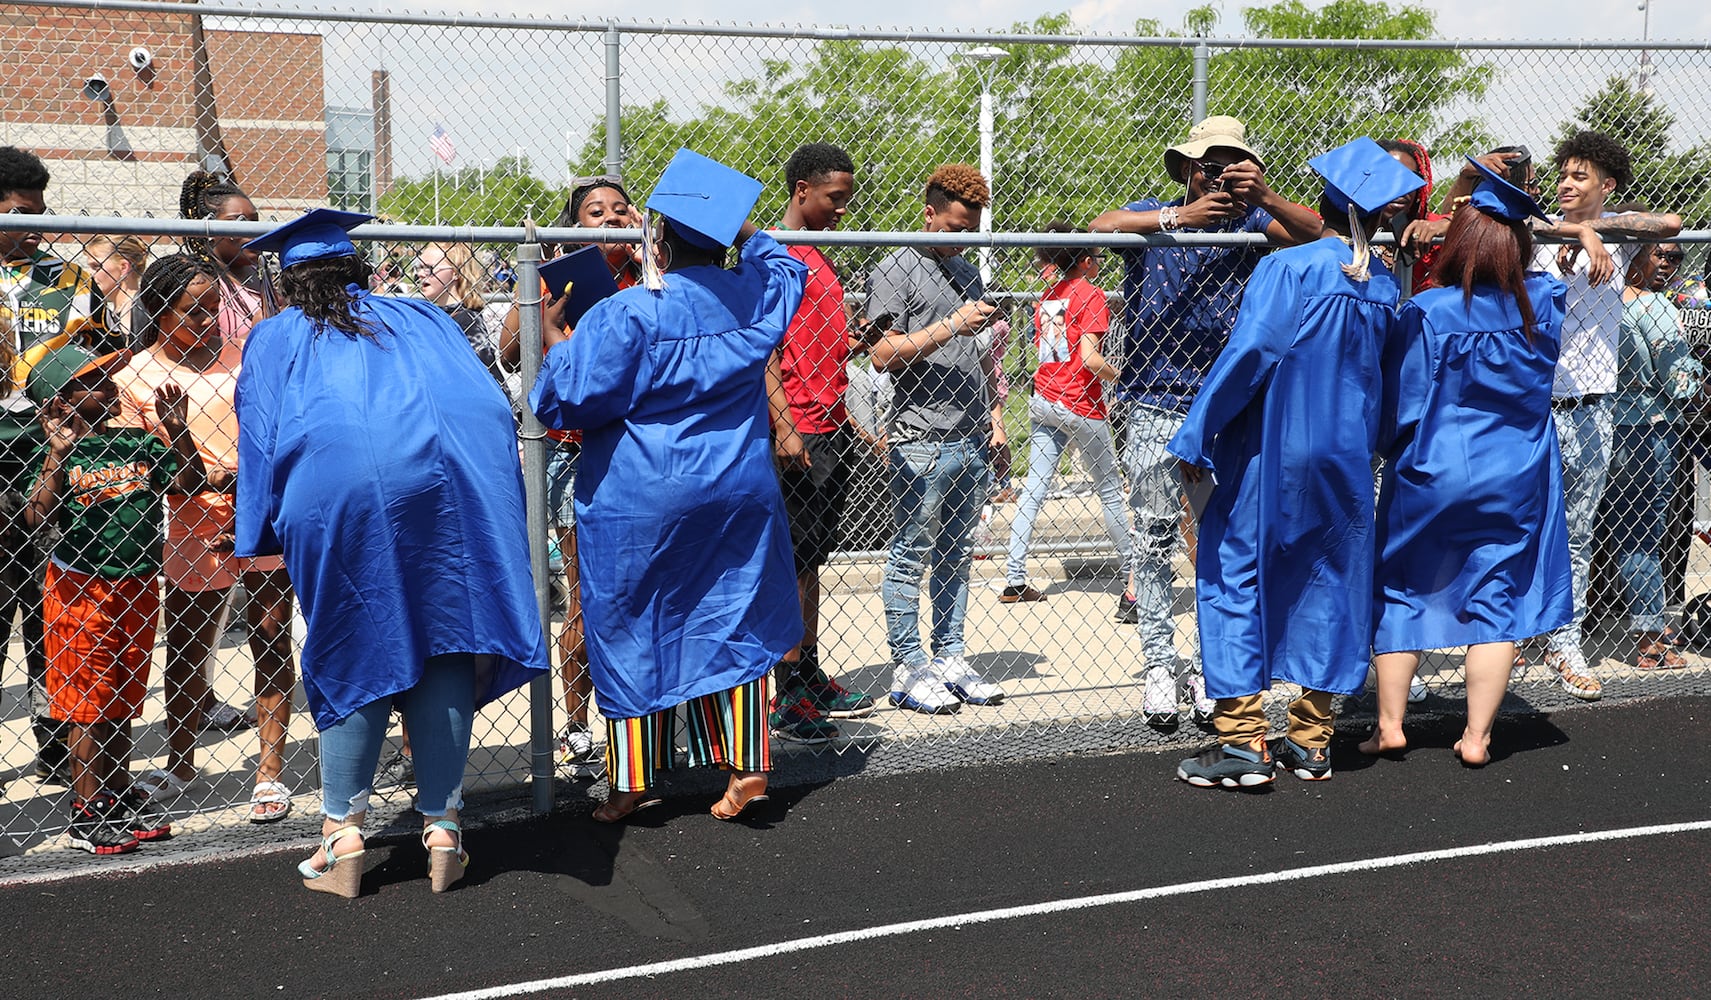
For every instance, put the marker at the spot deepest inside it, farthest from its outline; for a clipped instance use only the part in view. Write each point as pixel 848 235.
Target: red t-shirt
pixel 816 348
pixel 1063 315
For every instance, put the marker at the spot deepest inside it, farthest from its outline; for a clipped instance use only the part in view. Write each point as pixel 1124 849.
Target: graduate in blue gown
pixel 1472 539
pixel 1286 424
pixel 688 582
pixel 380 458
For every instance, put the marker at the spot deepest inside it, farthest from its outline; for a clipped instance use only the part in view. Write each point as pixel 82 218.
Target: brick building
pixel 119 130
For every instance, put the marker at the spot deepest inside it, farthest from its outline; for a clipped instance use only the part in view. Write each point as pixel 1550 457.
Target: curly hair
pixel 321 288
pixel 21 170
pixel 1606 155
pixel 163 282
pixel 815 159
pixel 957 182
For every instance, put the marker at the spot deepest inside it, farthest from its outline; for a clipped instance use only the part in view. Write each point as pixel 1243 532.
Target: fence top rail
pixel 837 33
pixel 115 225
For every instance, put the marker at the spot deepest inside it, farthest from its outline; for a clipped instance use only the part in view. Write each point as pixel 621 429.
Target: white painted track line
pixel 1064 905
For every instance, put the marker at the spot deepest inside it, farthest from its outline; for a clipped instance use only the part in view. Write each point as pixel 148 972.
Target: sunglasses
pixel 1673 256
pixel 594 181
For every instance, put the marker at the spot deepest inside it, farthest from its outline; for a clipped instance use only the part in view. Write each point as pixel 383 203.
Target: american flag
pixel 441 143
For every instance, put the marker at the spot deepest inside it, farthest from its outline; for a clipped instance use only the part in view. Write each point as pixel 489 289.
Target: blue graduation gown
pixel 385 469
pixel 688 584
pixel 1287 422
pixel 1472 540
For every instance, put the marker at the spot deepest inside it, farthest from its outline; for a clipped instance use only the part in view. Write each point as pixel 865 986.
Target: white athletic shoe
pixel 1201 706
pixel 922 690
pixel 965 682
pixel 1416 691
pixel 1158 699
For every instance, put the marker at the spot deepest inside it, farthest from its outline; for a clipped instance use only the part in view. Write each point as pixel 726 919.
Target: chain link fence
pixel 424 120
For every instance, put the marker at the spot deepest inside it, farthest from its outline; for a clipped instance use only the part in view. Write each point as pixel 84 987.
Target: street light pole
pixel 1643 83
pixel 983 57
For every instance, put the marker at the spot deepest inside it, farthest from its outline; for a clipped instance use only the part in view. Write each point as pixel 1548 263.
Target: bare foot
pixel 1465 752
pixel 1383 741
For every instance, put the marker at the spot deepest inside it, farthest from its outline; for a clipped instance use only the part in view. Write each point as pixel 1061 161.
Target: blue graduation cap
pixel 705 200
pixel 1363 174
pixel 588 276
pixel 1496 196
pixel 312 236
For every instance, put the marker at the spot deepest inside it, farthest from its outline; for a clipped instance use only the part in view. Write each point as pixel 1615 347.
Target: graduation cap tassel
pixel 652 280
pixel 1360 269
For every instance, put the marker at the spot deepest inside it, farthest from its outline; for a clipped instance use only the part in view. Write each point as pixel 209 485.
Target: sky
pixel 539 93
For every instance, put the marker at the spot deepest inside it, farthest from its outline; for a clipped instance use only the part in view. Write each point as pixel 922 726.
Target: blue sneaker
pixel 1306 763
pixel 1231 765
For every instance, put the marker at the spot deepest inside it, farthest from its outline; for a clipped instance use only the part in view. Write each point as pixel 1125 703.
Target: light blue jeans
pixel 1642 477
pixel 1155 497
pixel 437 711
pixel 1055 427
pixel 937 489
pixel 1584 434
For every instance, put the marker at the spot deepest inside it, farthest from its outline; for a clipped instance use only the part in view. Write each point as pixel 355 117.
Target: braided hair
pixel 201 197
pixel 163 282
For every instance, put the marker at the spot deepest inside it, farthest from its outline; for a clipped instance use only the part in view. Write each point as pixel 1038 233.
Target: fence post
pixel 528 299
pixel 614 104
pixel 1202 56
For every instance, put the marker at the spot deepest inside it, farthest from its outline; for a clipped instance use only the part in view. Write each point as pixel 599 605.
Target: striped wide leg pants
pixel 726 729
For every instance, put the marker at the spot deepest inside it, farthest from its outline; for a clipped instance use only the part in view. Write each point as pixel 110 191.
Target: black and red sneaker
pixel 93 828
pixel 145 819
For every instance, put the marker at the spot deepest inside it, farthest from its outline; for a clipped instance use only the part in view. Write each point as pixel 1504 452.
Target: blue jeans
pixel 1584 434
pixel 1642 477
pixel 937 489
pixel 1055 427
pixel 437 711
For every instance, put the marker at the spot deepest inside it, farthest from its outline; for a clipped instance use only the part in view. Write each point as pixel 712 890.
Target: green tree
pixel 1298 102
pixel 1078 128
pixel 1665 181
pixel 473 196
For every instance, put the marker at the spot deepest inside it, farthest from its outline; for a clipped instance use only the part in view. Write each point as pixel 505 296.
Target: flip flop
pixel 269 793
pixel 737 814
pixel 606 812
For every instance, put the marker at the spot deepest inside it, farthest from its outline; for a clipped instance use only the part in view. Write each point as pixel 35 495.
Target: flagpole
pixel 436 194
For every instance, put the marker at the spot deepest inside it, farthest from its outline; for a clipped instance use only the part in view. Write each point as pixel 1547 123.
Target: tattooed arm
pixel 1639 225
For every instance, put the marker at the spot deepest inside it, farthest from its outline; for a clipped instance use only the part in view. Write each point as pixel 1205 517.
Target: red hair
pixel 1482 249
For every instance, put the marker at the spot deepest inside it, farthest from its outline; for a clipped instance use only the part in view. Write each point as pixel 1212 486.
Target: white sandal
pixel 268 793
pixel 161 785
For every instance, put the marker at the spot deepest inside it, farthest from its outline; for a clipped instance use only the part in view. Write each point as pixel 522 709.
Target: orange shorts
pixel 188 563
pixel 100 643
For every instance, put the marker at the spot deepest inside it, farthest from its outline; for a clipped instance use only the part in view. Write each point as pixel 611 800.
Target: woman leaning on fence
pixel 688 582
pixel 1472 538
pixel 380 459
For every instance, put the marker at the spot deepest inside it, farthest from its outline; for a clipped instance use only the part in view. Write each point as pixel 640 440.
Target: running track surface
pixel 563 896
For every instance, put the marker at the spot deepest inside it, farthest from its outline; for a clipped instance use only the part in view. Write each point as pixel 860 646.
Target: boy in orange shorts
pixel 103 490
